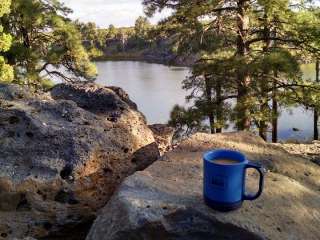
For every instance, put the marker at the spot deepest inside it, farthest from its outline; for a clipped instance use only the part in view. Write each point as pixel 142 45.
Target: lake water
pixel 157 88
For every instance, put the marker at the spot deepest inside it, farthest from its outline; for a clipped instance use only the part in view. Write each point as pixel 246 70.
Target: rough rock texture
pixel 310 151
pixel 62 156
pixel 165 200
pixel 163 135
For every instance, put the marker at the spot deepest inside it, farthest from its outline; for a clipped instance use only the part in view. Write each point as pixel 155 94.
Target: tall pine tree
pixel 249 51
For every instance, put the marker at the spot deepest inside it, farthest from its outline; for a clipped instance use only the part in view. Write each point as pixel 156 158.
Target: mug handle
pixel 259 168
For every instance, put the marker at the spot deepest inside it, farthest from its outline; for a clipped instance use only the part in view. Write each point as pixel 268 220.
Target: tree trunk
pixel 315 126
pixel 274 113
pixel 263 128
pixel 316 115
pixel 219 105
pixel 209 104
pixel 25 35
pixel 264 106
pixel 243 114
pixel 218 86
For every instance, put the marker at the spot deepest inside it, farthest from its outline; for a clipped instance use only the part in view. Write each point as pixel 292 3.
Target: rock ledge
pixel 165 200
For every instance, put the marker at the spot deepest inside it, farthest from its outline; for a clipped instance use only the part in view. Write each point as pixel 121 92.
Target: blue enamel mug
pixel 224 184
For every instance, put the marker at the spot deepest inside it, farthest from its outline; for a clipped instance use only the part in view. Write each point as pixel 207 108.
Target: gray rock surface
pixel 63 154
pixel 165 200
pixel 310 151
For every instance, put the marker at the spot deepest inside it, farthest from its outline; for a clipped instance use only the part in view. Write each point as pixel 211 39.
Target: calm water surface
pixel 157 88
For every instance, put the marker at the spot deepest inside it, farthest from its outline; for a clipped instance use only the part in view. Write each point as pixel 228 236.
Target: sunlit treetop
pixel 6 71
pixel 46 43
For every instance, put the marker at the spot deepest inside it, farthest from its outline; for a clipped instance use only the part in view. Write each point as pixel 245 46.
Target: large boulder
pixel 63 154
pixel 165 200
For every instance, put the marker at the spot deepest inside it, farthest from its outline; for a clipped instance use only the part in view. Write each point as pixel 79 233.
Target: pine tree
pixel 251 48
pixel 93 38
pixel 112 32
pixel 45 43
pixel 141 27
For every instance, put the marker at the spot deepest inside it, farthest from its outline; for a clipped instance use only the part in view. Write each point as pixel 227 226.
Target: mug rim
pixel 207 158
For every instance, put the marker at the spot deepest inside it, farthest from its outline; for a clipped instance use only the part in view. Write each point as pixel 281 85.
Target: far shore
pixel 139 58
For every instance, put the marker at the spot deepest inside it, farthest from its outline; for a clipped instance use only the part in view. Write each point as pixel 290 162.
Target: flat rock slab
pixel 165 200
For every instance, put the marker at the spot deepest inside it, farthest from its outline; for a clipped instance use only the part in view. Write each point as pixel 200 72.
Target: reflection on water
pixel 298 118
pixel 157 88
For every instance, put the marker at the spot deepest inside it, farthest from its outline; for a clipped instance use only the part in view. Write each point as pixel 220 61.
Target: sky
pixel 121 13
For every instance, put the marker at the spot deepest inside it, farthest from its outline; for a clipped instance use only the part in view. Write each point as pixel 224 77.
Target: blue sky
pixel 121 13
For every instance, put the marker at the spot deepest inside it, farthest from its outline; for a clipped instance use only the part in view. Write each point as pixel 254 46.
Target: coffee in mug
pixel 225 161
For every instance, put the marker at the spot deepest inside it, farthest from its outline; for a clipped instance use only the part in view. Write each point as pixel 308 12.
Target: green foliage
pixel 112 31
pixel 47 84
pixel 6 71
pixel 118 41
pixel 142 30
pixel 93 38
pixel 5 40
pixel 46 43
pixel 250 54
pixel 4 7
pixel 142 27
pixel 186 121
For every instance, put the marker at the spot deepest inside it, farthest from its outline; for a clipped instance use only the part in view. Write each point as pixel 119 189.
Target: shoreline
pixel 139 58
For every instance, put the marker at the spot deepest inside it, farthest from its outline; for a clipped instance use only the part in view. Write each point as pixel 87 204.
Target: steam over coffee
pixel 225 161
